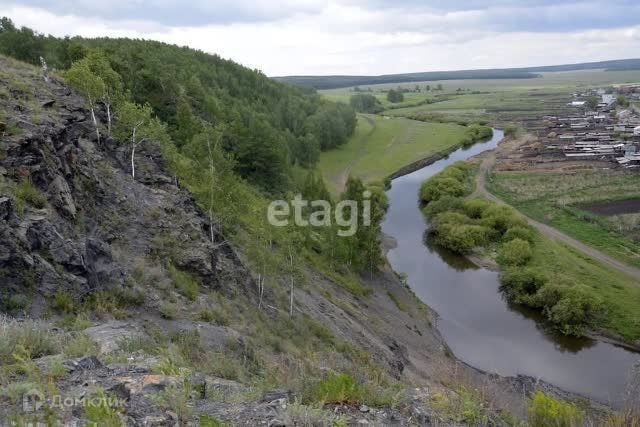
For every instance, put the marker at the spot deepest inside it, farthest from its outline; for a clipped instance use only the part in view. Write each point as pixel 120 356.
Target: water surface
pixel 481 328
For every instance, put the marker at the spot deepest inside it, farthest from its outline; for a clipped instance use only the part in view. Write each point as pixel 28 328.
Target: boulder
pixel 109 334
pixel 6 207
pixel 62 198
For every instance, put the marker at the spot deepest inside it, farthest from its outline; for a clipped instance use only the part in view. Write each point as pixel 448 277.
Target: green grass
pixel 620 293
pixel 381 146
pixel 552 198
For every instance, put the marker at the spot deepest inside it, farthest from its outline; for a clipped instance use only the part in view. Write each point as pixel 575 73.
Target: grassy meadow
pixel 493 100
pixel 553 198
pixel 381 146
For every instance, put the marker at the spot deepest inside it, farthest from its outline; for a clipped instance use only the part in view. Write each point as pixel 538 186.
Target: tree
pixel 395 96
pixel 137 124
pixel 623 101
pixel 89 84
pixel 112 87
pixel 592 102
pixel 439 87
pixel 365 103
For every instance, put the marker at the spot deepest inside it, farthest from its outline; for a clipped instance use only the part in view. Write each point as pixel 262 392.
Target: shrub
pixel 26 193
pixel 216 316
pixel 63 302
pixel 452 181
pixel 15 302
pixel 185 283
pixel 168 310
pixel 474 208
pixel 519 232
pixel 501 218
pixel 80 345
pixel 545 411
pixel 549 294
pixel 520 285
pixel 36 338
pixel 338 388
pixel 460 238
pixel 576 311
pixel 443 204
pixel 436 188
pixel 514 252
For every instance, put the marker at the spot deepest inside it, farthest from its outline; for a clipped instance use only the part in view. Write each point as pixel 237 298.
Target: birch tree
pixel 88 84
pixel 137 125
pixel 112 88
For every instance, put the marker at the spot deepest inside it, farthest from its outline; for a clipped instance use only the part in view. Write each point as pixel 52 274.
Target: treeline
pixel 334 82
pixel 268 127
pixel 463 225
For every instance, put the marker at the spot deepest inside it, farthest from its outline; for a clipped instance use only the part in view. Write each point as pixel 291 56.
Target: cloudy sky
pixel 283 37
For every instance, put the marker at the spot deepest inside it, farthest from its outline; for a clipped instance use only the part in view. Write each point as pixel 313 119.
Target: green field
pixel 381 146
pixel 553 198
pixel 498 101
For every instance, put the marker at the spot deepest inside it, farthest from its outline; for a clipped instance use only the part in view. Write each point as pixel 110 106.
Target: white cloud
pixel 348 38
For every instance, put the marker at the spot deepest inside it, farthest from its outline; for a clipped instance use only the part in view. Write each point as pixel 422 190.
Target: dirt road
pixel 481 191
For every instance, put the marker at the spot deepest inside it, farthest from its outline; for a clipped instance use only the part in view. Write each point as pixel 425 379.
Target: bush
pixel 81 345
pixel 63 302
pixel 443 204
pixel 577 311
pixel 36 338
pixel 501 218
pixel 185 283
pixel 168 311
pixel 514 252
pixel 338 388
pixel 545 411
pixel 549 294
pixel 519 232
pixel 461 238
pixel 436 188
pixel 452 181
pixel 26 193
pixel 520 285
pixel 475 208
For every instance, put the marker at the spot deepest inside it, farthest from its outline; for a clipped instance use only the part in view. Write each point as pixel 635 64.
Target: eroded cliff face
pixel 87 221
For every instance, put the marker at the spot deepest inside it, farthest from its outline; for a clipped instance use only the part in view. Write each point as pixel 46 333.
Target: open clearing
pixel 555 199
pixel 381 146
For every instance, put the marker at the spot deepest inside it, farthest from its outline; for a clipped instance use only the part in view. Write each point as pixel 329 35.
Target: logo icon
pixel 32 400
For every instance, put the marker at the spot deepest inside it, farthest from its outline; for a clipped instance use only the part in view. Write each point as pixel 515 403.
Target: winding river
pixel 480 327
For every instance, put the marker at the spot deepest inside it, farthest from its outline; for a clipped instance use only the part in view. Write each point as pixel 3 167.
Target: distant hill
pixel 332 82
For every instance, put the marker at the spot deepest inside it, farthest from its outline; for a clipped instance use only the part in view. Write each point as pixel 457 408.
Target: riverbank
pixel 478 327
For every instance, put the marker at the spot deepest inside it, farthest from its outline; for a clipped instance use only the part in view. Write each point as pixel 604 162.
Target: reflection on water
pixel 453 260
pixel 479 326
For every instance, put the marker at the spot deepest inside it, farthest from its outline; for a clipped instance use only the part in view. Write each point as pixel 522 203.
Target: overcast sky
pixel 283 37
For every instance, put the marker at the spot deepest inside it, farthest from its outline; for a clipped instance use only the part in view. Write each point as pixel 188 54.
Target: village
pixel 601 124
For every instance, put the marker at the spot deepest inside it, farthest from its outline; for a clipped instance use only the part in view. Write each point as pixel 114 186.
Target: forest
pixel 232 136
pixel 268 127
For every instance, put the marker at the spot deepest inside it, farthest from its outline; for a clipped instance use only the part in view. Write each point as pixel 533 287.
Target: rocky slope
pixel 134 300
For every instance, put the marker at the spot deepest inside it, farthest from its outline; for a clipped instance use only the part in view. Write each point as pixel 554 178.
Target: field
pixel 381 146
pixel 558 199
pixel 496 101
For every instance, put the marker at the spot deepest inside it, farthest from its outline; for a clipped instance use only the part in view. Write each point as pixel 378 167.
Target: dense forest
pixel 233 137
pixel 268 127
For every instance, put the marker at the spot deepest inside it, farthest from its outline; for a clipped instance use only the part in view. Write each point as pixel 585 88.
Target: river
pixel 480 327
